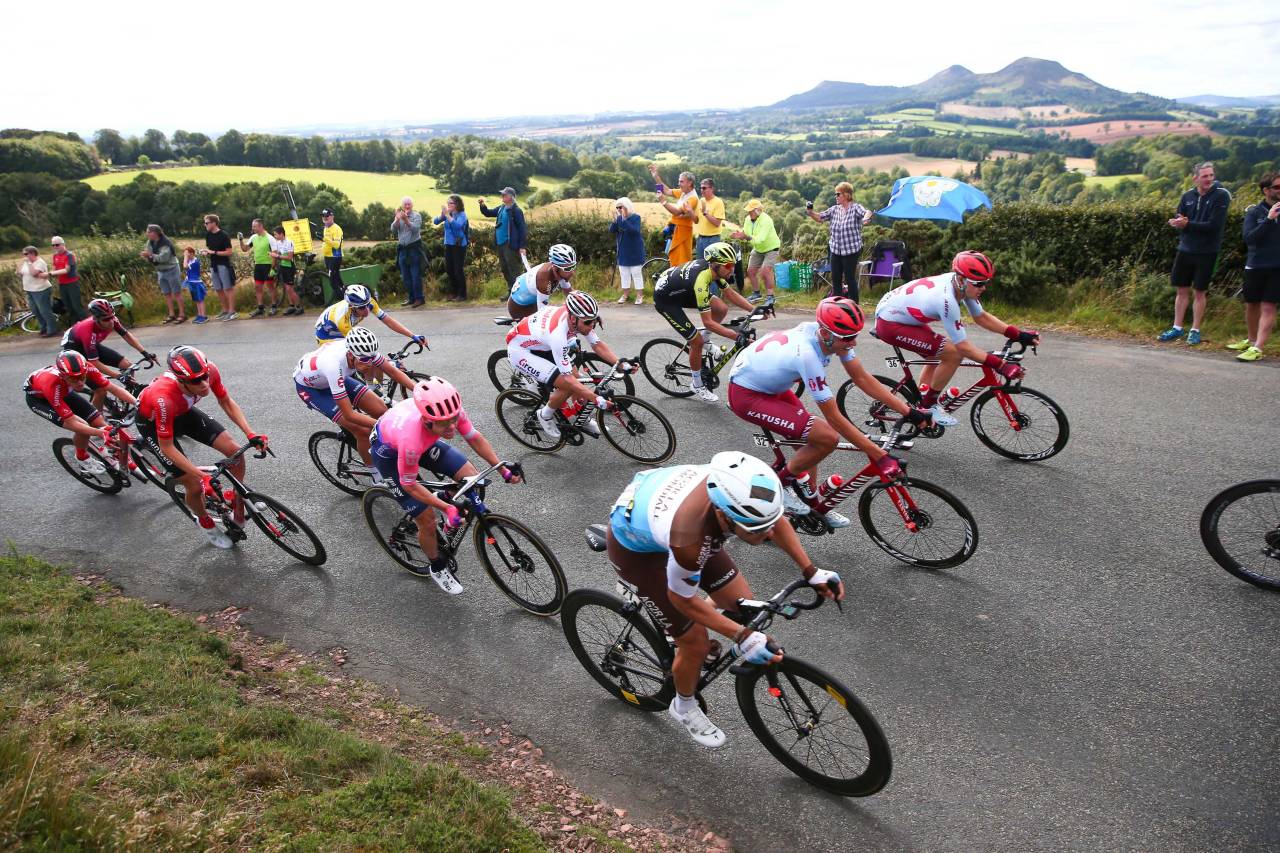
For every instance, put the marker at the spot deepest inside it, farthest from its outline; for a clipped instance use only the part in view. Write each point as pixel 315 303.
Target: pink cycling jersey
pixel 403 429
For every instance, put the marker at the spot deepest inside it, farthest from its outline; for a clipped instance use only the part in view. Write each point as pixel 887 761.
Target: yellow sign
pixel 299 231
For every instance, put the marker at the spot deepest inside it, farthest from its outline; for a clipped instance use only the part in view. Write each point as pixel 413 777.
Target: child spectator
pixel 193 283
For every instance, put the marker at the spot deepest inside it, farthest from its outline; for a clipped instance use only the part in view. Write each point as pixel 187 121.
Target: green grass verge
pixel 127 727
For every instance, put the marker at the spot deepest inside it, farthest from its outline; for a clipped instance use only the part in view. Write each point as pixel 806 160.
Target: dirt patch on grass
pixel 1103 132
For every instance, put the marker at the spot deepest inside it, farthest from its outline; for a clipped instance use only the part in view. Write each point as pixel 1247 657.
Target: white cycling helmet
pixel 745 489
pixel 362 343
pixel 563 256
pixel 357 295
pixel 582 305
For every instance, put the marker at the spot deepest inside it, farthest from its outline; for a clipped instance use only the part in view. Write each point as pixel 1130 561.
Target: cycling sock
pixel 706 336
pixel 803 482
pixel 440 563
pixel 545 413
pixel 1177 328
pixel 930 399
pixel 206 522
pixel 785 475
pixel 685 704
pixel 81 455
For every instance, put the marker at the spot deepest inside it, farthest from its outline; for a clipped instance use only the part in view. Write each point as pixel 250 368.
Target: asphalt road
pixel 1090 679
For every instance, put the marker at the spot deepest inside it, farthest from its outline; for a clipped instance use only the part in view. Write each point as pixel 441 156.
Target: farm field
pixel 1041 112
pixel 884 162
pixel 651 213
pixel 1104 132
pixel 1074 164
pixel 1111 180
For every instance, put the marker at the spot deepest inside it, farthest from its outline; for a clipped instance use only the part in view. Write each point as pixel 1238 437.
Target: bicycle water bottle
pixel 948 395
pixel 571 407
pixel 831 484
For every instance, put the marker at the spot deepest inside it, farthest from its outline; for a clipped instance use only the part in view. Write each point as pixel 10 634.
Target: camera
pixel 808 205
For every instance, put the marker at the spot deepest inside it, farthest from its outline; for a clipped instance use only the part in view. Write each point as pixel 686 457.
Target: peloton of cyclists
pixel 532 289
pixel 86 337
pixel 51 392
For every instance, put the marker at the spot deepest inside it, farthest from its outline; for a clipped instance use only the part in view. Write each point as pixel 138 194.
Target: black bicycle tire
pixel 117 481
pixel 879 767
pixel 318 555
pixel 313 450
pixel 625 402
pixel 663 654
pixel 491 367
pixel 311 288
pixel 658 343
pixel 415 377
pixel 1064 427
pixel 528 400
pixel 968 547
pixel 860 419
pixel 367 501
pixel 483 529
pixel 1209 535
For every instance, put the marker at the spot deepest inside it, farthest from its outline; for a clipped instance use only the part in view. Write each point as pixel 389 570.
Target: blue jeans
pixel 409 259
pixel 41 304
pixel 701 243
pixel 72 299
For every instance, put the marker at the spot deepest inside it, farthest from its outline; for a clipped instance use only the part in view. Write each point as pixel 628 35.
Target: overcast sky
pixel 211 66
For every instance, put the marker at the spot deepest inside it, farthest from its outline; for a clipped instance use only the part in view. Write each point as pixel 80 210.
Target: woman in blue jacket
pixel 626 227
pixel 456 237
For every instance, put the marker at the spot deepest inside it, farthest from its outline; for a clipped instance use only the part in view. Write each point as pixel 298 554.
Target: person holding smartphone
pixel 683 214
pixel 1261 269
pixel 845 219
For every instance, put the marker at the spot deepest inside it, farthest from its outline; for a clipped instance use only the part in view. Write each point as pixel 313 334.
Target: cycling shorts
pixel 193 424
pixel 322 401
pixel 440 459
pixel 106 354
pixel 674 314
pixel 261 273
pixel 287 274
pixel 918 339
pixel 80 407
pixel 1193 269
pixel 782 414
pixel 518 311
pixel 536 364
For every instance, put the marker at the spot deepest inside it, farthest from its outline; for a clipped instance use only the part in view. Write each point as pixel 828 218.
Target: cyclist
pixel 696 285
pixel 667 532
pixel 328 381
pixel 86 337
pixel 51 394
pixel 760 393
pixel 357 303
pixel 541 347
pixel 904 314
pixel 532 289
pixel 412 433
pixel 167 411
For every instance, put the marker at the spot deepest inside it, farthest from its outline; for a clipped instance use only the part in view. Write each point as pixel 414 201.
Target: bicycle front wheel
pixel 336 458
pixel 618 646
pixel 866 412
pixel 152 467
pixel 504 376
pixel 816 727
pixel 1240 528
pixel 638 430
pixel 520 564
pixel 285 529
pixel 596 365
pixel 397 388
pixel 108 481
pixel 395 532
pixel 919 523
pixel 665 363
pixel 518 413
pixel 30 324
pixel 1024 425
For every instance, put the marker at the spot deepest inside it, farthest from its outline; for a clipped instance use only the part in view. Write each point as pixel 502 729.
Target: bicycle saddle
pixel 596 540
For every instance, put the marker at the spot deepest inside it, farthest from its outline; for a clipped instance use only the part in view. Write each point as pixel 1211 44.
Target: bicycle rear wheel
pixel 108 482
pixel 816 727
pixel 520 564
pixel 665 363
pixel 335 456
pixel 285 529
pixel 518 413
pixel 504 376
pixel 866 412
pixel 618 646
pixel 937 533
pixel 1240 528
pixel 395 532
pixel 638 430
pixel 1024 425
pixel 30 323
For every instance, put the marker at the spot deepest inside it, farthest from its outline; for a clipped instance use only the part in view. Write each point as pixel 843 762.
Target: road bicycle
pixel 917 522
pixel 1024 424
pixel 809 721
pixel 637 429
pixel 386 387
pixel 121 300
pixel 118 409
pixel 516 559
pixel 1240 527
pixel 20 317
pixel 281 525
pixel 504 376
pixel 123 458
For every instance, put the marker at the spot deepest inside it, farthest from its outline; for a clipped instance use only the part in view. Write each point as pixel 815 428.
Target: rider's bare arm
pixel 396 326
pixel 233 410
pixel 850 433
pixel 178 458
pixel 121 395
pixel 737 299
pixel 602 349
pixel 351 415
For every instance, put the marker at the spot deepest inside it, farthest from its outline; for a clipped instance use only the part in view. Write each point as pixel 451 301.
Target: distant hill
pixel 1228 101
pixel 830 93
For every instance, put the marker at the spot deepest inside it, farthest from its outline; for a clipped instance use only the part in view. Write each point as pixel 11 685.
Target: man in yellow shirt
pixel 683 215
pixel 332 252
pixel 706 230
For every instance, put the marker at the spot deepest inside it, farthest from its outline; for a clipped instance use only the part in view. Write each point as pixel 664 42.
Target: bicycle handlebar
pixel 403 352
pixel 459 494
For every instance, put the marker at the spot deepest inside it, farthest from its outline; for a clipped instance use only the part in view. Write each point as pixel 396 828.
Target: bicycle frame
pixel 474 510
pixel 386 386
pixel 990 379
pixel 742 325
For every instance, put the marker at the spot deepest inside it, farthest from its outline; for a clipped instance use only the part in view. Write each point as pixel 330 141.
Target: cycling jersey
pixel 403 430
pixel 339 318
pixel 546 332
pixel 327 368
pixel 84 336
pixel 163 400
pixel 689 285
pixel 524 291
pixel 261 246
pixel 332 241
pixel 920 302
pixel 774 363
pixel 48 384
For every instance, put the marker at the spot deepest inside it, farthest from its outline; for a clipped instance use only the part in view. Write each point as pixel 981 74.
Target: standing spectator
pixel 1261 269
pixel 332 251
pixel 39 290
pixel 457 235
pixel 511 235
pixel 845 240
pixel 286 269
pixel 68 276
pixel 765 246
pixel 706 228
pixel 407 229
pixel 626 227
pixel 194 283
pixel 683 215
pixel 1201 215
pixel 164 259
pixel 263 266
pixel 222 275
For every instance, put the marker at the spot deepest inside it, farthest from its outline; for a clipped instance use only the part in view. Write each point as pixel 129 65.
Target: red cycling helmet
pixel 188 363
pixel 974 266
pixel 101 309
pixel 71 364
pixel 840 316
pixel 436 399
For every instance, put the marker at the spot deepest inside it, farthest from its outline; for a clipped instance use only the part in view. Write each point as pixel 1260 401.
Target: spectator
pixel 1261 269
pixel 264 274
pixel 194 283
pixel 706 228
pixel 332 251
pixel 683 215
pixel 222 276
pixel 39 290
pixel 457 235
pixel 1201 215
pixel 511 236
pixel 845 240
pixel 286 269
pixel 765 246
pixel 164 260
pixel 407 229
pixel 68 276
pixel 626 227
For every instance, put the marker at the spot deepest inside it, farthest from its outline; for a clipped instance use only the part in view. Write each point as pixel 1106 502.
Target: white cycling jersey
pixel 921 302
pixel 327 367
pixel 547 331
pixel 773 364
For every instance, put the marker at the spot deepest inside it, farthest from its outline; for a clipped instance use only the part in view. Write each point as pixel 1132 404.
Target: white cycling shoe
pixel 548 425
pixel 701 392
pixel 446 581
pixel 836 520
pixel 703 731
pixel 218 537
pixel 92 467
pixel 791 503
pixel 941 418
pixel 590 427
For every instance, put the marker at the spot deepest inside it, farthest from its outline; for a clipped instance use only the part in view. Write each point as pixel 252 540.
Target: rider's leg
pixel 226 445
pixel 426 522
pixel 948 360
pixel 1197 307
pixel 361 434
pixel 821 442
pixel 691 649
pixel 766 274
pixel 1180 302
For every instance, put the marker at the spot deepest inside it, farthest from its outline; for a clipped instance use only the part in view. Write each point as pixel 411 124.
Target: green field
pixel 925 118
pixel 363 188
pixel 1110 181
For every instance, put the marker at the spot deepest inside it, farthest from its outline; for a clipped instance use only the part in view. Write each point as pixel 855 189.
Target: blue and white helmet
pixel 745 489
pixel 563 256
pixel 357 295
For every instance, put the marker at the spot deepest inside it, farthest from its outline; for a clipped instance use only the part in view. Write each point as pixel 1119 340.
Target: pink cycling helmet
pixel 436 399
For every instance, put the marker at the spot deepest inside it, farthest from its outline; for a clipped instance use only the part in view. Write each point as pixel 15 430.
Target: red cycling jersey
pixel 163 400
pixel 48 383
pixel 87 334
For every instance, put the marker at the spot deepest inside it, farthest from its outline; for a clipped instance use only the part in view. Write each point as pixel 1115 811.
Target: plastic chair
pixel 888 263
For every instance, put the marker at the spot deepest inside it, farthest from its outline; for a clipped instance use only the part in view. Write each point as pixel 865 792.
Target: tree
pixel 155 145
pixel 231 148
pixel 111 146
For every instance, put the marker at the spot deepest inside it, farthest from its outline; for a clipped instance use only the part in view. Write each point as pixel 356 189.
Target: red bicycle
pixel 1025 424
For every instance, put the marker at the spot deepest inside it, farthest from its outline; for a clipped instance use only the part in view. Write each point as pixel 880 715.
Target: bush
pixel 13 237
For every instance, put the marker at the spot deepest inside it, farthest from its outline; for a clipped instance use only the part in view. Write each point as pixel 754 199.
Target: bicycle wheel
pixel 1026 425
pixel 816 727
pixel 937 533
pixel 397 388
pixel 866 412
pixel 654 267
pixel 504 376
pixel 518 413
pixel 665 363
pixel 395 531
pixel 30 323
pixel 638 430
pixel 1240 528
pixel 618 646
pixel 149 464
pixel 285 529
pixel 312 288
pixel 335 456
pixel 597 365
pixel 520 564
pixel 108 482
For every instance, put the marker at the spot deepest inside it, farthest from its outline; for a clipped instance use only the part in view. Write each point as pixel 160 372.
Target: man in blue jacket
pixel 511 235
pixel 1261 269
pixel 1202 213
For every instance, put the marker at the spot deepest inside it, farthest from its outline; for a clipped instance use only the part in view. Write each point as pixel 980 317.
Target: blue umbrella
pixel 933 197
